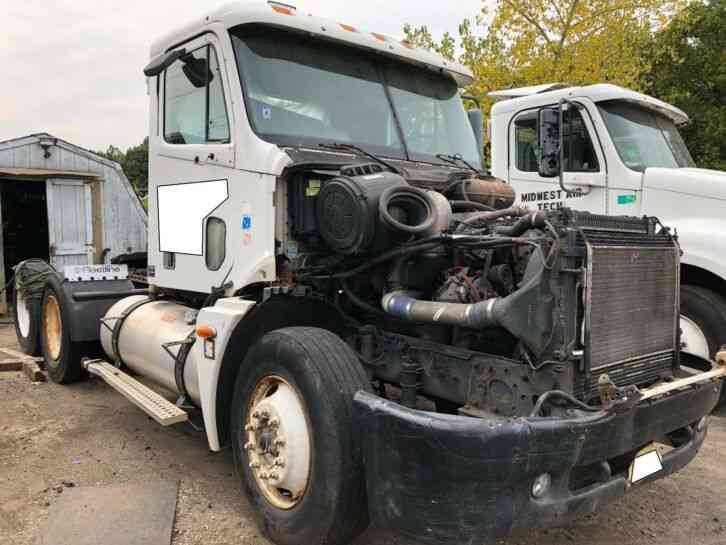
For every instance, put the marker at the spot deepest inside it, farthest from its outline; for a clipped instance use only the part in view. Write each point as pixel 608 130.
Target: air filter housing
pixel 359 214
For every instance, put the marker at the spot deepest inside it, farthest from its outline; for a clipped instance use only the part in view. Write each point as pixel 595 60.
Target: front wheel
pixel 295 447
pixel 703 321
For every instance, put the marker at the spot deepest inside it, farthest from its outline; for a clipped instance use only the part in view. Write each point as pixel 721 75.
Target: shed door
pixel 69 222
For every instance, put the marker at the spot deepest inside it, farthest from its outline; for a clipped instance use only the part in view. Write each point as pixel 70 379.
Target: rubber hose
pixel 406 197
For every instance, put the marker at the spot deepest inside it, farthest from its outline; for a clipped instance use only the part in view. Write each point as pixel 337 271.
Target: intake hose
pixel 407 209
pixel 514 211
pixel 526 313
pixel 535 220
pixel 476 315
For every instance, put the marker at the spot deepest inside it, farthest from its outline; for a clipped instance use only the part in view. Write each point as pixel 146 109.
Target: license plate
pixel 647 462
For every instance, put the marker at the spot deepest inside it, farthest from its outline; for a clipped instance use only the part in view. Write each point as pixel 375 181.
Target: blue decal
pixel 246 222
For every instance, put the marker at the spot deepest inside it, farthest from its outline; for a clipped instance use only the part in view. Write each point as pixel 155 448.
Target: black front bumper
pixel 448 479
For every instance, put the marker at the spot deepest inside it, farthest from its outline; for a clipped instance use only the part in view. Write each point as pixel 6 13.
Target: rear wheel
pixel 295 446
pixel 62 355
pixel 26 313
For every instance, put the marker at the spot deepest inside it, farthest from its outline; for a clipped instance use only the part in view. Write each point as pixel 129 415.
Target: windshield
pixel 644 138
pixel 302 92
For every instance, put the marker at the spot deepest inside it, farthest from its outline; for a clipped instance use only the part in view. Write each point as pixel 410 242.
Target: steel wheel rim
pixel 52 328
pixel 22 313
pixel 693 339
pixel 278 442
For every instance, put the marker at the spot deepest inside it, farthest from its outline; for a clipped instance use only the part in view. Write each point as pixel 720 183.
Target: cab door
pixel 585 177
pixel 192 171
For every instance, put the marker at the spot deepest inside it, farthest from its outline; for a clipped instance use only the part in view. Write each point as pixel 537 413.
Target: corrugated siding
pixel 124 219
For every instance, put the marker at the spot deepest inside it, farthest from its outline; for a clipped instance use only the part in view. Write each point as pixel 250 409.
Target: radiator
pixel 631 305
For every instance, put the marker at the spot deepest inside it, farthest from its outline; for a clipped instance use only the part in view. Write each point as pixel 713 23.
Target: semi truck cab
pixel 622 154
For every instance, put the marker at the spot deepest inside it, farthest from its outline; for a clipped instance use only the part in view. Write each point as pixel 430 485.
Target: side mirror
pixel 197 71
pixel 162 62
pixel 476 119
pixel 548 140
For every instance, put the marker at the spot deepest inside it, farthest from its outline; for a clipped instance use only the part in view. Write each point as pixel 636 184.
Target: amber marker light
pixel 284 9
pixel 206 332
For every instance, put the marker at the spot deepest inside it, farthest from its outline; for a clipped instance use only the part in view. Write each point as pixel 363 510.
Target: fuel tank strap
pixel 118 323
pixel 180 360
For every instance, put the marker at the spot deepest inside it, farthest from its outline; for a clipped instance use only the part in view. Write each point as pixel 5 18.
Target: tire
pixel 26 315
pixel 321 373
pixel 62 355
pixel 707 310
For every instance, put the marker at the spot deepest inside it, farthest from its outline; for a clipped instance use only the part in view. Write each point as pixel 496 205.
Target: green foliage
pixel 688 70
pixel 530 42
pixel 134 162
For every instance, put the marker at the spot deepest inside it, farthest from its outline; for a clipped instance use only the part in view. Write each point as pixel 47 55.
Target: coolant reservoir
pixel 142 335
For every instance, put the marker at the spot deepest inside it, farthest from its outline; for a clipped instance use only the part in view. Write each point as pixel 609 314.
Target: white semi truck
pixel 341 296
pixel 622 154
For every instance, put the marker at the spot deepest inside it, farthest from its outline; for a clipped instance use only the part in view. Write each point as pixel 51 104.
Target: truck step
pixel 158 408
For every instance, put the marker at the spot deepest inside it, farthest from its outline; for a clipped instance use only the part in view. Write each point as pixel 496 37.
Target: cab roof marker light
pixel 407 44
pixel 348 27
pixel 279 7
pixel 379 37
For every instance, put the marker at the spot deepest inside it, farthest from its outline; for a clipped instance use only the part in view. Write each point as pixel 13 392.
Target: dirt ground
pixel 88 435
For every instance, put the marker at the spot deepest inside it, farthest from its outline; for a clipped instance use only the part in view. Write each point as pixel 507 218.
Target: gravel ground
pixel 88 435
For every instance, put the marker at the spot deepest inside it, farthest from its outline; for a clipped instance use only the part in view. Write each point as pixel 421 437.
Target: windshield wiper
pixel 457 160
pixel 360 151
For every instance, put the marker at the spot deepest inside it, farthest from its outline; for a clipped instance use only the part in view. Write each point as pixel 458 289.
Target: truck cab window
pixel 217 123
pixel 525 136
pixel 579 153
pixel 194 106
pixel 643 137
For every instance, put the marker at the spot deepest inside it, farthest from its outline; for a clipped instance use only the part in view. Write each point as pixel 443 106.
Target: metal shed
pixel 65 204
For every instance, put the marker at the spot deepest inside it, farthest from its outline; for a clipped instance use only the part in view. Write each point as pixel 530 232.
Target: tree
pixel 529 42
pixel 688 69
pixel 134 162
pixel 136 166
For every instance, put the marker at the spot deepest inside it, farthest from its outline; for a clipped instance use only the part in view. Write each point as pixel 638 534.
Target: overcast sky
pixel 73 68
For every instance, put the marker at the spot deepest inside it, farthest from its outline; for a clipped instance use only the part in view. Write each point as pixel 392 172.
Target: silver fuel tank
pixel 141 336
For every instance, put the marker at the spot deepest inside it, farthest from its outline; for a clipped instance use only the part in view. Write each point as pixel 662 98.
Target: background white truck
pixel 623 155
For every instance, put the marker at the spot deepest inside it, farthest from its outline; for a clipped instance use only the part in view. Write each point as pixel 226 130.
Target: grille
pixel 632 302
pixel 642 370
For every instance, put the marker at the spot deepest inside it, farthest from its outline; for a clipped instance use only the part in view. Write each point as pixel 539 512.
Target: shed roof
pixel 59 142
pixel 42 174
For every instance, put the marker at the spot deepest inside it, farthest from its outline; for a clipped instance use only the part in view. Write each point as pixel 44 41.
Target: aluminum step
pixel 158 408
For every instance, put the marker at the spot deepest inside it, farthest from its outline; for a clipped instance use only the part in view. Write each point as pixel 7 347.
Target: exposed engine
pixel 481 306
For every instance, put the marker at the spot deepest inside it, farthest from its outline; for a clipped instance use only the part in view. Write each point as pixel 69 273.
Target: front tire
pixel 295 447
pixel 703 321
